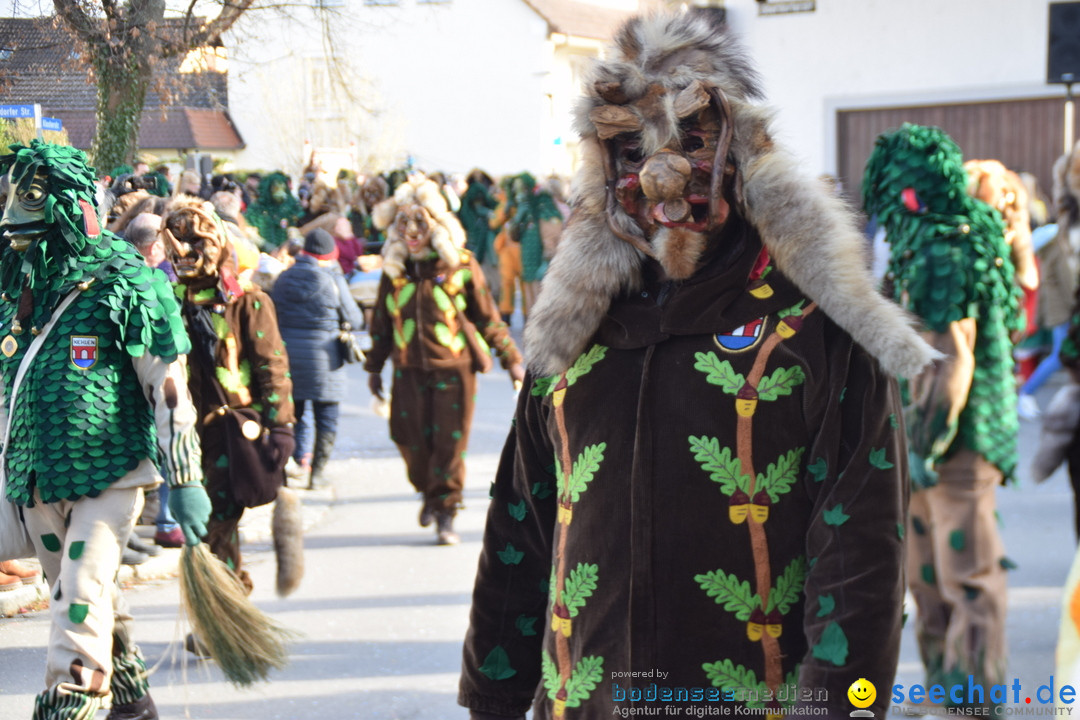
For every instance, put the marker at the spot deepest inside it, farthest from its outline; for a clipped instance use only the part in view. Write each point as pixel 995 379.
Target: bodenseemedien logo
pixel 862 694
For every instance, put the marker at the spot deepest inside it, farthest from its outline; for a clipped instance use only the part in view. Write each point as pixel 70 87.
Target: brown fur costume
pixel 635 531
pixel 238 347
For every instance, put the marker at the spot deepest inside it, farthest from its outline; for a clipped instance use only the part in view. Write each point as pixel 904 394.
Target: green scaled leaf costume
pixel 275 210
pixel 949 261
pixel 81 422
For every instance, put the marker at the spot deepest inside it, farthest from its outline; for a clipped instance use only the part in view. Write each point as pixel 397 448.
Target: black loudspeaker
pixel 1063 48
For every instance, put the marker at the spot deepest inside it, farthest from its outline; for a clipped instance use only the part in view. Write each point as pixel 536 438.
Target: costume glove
pixel 283 439
pixel 190 507
pixel 374 383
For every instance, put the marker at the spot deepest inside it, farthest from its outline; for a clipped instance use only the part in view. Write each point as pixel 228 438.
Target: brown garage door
pixel 1022 134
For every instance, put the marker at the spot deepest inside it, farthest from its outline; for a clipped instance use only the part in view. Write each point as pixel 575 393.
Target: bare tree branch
pixel 77 19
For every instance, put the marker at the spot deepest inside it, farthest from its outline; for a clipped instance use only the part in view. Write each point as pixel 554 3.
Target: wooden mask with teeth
pixel 195 242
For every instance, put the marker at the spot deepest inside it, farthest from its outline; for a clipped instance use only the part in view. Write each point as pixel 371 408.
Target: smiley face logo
pixel 862 693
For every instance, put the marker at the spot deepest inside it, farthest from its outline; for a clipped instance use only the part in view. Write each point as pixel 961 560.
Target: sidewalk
pixel 254 530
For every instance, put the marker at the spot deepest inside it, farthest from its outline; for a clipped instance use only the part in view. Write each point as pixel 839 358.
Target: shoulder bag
pixel 256 471
pixel 348 347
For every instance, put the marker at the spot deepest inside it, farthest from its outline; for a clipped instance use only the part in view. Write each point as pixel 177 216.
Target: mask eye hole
pixel 692 142
pixel 34 197
pixel 628 151
pixel 632 154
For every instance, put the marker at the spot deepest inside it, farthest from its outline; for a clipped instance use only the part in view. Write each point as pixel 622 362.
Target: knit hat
pixel 320 245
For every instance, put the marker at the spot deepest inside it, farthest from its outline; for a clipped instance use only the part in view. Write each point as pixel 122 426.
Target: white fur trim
pixel 447 234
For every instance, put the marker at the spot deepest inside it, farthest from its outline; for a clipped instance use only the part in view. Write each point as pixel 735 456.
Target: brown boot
pixel 141 709
pixel 444 528
pixel 324 445
pixel 24 574
pixel 427 514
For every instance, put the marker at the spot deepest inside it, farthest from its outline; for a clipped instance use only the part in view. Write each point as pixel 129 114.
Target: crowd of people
pixel 253 335
pixel 712 364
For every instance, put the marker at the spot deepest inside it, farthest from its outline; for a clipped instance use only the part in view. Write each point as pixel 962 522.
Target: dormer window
pixel 5 53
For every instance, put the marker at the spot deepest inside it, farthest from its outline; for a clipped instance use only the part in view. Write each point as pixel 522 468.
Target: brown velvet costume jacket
pixel 710 500
pixel 418 319
pixel 252 366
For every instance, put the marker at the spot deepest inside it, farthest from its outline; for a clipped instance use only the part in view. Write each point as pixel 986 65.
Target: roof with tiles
pixel 178 129
pixel 39 65
pixel 581 19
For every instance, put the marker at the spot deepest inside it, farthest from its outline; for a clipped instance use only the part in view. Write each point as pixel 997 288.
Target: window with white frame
pixel 318 85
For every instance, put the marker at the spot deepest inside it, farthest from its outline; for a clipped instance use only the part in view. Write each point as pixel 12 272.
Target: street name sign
pixel 16 112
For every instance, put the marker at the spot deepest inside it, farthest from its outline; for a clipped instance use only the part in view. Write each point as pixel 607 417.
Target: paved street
pixel 382 611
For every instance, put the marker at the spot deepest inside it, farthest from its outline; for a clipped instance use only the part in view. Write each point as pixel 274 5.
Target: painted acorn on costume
pixel 759 506
pixel 790 325
pixel 560 702
pixel 560 392
pixel 773 625
pixel 756 625
pixel 560 619
pixel 760 289
pixel 746 400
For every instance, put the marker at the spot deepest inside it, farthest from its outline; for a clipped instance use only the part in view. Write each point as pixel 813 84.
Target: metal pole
pixel 1069 118
pixel 37 119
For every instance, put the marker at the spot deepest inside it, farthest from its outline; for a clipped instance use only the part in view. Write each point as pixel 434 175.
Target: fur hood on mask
pixel 660 65
pixel 447 235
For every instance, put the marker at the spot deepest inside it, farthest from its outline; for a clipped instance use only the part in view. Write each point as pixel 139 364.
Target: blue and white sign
pixel 15 112
pixel 48 123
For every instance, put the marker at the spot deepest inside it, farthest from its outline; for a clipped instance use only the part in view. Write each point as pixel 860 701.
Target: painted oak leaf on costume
pixel 586 675
pixel 719 372
pixel 571 485
pixel 725 469
pixel 788 587
pixel 576 591
pixel 559 383
pixel 728 591
pixel 781 382
pixel 779 476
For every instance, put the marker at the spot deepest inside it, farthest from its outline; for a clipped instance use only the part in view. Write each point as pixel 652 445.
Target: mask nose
pixel 663 179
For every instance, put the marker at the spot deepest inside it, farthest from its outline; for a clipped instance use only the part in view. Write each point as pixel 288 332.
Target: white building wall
pixel 478 83
pixel 867 53
pixel 454 85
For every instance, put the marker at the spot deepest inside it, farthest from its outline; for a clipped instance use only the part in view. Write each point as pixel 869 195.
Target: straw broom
pixel 245 642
